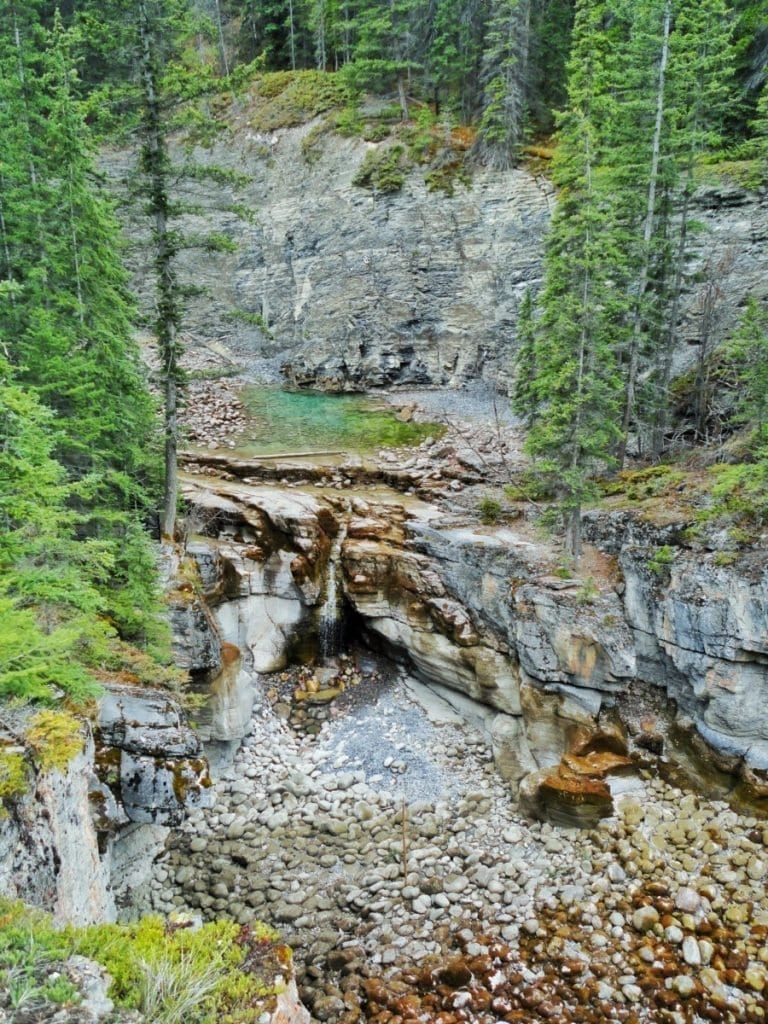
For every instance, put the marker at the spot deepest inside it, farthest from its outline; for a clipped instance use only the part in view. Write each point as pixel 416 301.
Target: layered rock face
pixel 348 289
pixel 700 632
pixel 550 668
pixel 49 854
pixel 141 770
pixel 345 289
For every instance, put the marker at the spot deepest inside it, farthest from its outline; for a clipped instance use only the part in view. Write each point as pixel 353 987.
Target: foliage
pixel 170 972
pixel 287 98
pixel 13 774
pixel 180 974
pixel 55 737
pixel 572 401
pixel 650 482
pixel 738 493
pixel 749 350
pixel 29 945
pixel 76 418
pixel 588 592
pixel 661 559
pixel 382 169
pixel 489 509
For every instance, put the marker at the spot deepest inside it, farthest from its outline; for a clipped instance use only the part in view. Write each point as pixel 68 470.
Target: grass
pixel 172 973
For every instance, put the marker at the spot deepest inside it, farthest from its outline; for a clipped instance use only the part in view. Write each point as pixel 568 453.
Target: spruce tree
pixel 574 398
pixel 749 350
pixel 67 324
pixel 506 77
pixel 701 67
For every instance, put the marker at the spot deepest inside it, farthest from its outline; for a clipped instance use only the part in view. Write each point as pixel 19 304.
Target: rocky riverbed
pixel 365 819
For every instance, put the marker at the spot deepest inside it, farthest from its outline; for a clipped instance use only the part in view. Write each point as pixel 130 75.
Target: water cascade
pixel 329 630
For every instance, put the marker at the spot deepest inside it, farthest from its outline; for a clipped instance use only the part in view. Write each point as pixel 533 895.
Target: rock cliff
pixel 559 668
pixel 346 289
pixel 141 766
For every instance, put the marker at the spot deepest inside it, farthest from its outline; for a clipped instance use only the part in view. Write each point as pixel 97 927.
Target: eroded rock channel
pixel 405 812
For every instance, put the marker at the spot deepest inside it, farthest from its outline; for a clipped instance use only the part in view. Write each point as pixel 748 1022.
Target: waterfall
pixel 329 617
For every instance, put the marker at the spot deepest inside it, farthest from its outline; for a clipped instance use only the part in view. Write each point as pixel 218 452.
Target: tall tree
pixel 574 399
pixel 67 321
pixel 701 66
pixel 506 81
pixel 390 45
pixel 455 53
pixel 155 165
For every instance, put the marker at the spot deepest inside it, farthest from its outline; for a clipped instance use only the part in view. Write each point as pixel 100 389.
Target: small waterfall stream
pixel 329 628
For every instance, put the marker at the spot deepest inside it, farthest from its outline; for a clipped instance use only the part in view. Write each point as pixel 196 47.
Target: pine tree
pixel 390 45
pixel 67 324
pixel 701 66
pixel 574 398
pixel 749 350
pixel 506 81
pixel 455 52
pixel 48 603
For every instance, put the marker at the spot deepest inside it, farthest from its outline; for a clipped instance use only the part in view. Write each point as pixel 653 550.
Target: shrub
pixel 661 559
pixel 588 592
pixel 489 509
pixel 382 170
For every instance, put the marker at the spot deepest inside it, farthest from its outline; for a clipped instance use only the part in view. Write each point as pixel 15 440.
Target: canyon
pixel 544 746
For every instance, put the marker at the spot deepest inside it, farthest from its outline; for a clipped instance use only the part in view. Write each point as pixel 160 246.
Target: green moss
pixel 13 775
pixel 284 99
pixel 55 737
pixel 489 509
pixel 724 558
pixel 650 482
pixel 447 176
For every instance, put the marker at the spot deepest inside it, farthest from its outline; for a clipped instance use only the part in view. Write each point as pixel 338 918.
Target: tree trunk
pixel 573 533
pixel 650 210
pixel 402 95
pixel 155 168
pixel 665 356
pixel 220 32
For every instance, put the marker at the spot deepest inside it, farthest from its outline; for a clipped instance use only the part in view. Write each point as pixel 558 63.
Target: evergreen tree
pixel 455 52
pixel 749 349
pixel 67 322
pixel 506 80
pixel 390 45
pixel 48 603
pixel 701 66
pixel 524 395
pixel 574 399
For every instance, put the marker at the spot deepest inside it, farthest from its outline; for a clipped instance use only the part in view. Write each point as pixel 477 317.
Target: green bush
pixel 661 559
pixel 382 170
pixel 489 509
pixel 220 973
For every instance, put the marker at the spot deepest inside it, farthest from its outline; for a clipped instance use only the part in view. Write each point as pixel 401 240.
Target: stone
pixel 644 918
pixel 691 951
pixel 684 985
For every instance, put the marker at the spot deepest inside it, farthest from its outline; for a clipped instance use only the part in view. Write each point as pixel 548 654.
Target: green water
pixel 300 421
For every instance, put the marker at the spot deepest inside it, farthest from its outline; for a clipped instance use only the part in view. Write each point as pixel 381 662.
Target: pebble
pixel 644 918
pixel 319 848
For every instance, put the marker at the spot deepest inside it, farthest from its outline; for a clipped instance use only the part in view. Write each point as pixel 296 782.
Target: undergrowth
pixel 218 973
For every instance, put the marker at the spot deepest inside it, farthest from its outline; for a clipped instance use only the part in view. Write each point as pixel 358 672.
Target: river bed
pixel 377 834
